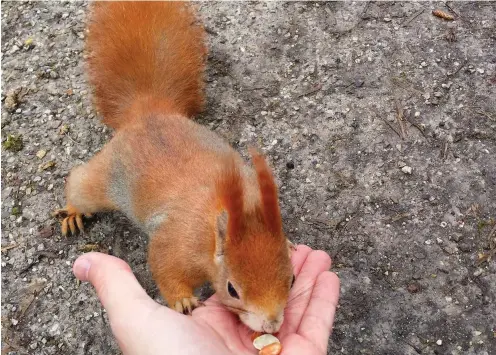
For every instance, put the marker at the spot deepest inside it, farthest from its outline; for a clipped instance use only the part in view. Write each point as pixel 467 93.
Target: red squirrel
pixel 208 214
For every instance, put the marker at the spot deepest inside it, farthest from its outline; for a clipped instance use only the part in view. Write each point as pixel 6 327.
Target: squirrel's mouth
pixel 260 323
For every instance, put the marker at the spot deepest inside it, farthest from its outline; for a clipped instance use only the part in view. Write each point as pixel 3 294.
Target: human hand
pixel 142 326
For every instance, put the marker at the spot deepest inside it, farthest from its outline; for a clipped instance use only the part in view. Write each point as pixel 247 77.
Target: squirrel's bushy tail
pixel 145 49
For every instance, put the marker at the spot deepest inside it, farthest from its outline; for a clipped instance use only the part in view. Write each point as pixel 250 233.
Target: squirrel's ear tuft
pixel 230 192
pixel 268 193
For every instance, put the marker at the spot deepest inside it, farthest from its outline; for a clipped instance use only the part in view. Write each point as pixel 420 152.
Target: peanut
pixel 264 340
pixel 255 335
pixel 271 349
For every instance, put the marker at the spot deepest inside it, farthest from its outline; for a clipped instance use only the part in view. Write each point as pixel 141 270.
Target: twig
pixel 399 118
pixel 479 111
pixel 29 266
pixel 8 247
pixel 416 125
pixel 492 247
pixel 360 19
pixel 417 14
pixel 444 150
pixel 255 88
pixel 453 11
pixel 490 235
pixel 23 312
pixel 458 69
pixel 390 126
pixel 417 350
pixel 400 216
pixel 317 88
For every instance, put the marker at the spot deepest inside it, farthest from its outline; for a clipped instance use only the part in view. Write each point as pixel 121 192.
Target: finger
pixel 316 324
pixel 297 345
pixel 315 263
pixel 299 256
pixel 115 284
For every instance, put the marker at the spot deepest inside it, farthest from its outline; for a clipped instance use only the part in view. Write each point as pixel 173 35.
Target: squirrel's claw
pixel 187 305
pixel 72 220
pixel 64 227
pixel 79 222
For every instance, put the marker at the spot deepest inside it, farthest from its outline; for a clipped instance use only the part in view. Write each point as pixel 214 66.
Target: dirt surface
pixel 378 118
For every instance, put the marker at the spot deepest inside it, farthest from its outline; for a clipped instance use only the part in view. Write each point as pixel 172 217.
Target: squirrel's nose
pixel 267 327
pixel 270 326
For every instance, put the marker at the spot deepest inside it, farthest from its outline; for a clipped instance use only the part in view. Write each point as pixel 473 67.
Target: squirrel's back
pixel 151 50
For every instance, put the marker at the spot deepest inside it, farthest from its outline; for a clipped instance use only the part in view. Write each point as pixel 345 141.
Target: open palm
pixel 141 326
pixel 308 316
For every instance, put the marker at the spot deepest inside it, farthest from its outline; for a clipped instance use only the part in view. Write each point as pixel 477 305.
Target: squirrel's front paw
pixel 187 305
pixel 71 219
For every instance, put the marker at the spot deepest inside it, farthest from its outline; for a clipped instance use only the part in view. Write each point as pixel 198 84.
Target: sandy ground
pixel 379 120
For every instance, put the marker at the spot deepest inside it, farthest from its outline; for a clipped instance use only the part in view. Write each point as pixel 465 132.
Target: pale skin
pixel 142 326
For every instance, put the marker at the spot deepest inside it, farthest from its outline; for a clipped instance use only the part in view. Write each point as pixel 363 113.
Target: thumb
pixel 118 290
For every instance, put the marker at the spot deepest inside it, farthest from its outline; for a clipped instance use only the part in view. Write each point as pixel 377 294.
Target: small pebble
pixel 413 287
pixel 407 170
pixel 439 342
pixel 41 154
pixel 478 272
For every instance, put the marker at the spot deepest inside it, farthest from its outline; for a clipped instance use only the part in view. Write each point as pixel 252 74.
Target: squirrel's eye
pixel 231 290
pixel 292 282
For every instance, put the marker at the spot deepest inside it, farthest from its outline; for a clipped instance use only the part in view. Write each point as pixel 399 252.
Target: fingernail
pixel 81 268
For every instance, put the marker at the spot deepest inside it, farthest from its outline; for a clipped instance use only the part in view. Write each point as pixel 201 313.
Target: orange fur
pixel 174 178
pixel 268 192
pixel 145 48
pixel 230 193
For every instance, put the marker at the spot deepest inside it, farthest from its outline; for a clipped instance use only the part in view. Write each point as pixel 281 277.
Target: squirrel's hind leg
pixel 86 192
